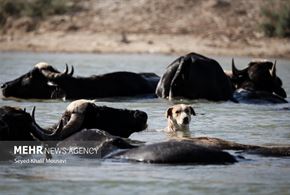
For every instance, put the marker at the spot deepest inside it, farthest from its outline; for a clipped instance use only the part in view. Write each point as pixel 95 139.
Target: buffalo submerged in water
pixel 45 82
pixel 194 76
pixel 108 127
pixel 79 125
pixel 18 125
pixel 15 124
pixel 72 131
pixel 84 114
pixel 258 83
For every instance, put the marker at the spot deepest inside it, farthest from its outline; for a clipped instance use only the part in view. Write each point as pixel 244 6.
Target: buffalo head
pixel 260 75
pixel 15 124
pixel 36 83
pixel 194 76
pixel 82 114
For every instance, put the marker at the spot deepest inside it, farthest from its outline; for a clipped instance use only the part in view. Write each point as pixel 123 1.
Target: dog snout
pixel 185 120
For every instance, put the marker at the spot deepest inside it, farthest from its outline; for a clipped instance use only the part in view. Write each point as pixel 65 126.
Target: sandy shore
pixel 215 27
pixel 142 43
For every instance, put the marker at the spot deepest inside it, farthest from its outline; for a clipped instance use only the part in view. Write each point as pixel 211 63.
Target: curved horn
pixel 52 75
pixel 72 71
pixel 66 70
pixel 37 131
pixel 236 71
pixel 41 133
pixel 273 70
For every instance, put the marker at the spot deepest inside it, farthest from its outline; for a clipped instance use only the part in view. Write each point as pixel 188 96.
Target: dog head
pixel 179 117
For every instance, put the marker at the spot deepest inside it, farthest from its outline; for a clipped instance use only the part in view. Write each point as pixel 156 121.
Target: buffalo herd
pixel 192 76
pixel 83 123
pixel 45 82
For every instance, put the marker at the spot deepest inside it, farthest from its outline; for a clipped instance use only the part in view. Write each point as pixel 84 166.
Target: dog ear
pixel 169 112
pixel 192 111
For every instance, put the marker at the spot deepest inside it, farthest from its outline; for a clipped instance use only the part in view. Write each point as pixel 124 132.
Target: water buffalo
pixel 194 76
pixel 18 128
pixel 15 130
pixel 82 114
pixel 45 82
pixel 15 124
pixel 258 83
pixel 169 152
pixel 176 152
pixel 102 142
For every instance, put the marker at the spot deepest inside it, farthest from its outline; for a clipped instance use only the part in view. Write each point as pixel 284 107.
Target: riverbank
pixel 143 43
pixel 210 27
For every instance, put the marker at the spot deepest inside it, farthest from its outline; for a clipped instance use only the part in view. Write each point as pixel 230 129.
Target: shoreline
pixel 168 44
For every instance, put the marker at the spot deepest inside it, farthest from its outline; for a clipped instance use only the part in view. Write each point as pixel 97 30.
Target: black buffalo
pixel 15 130
pixel 84 114
pixel 194 76
pixel 176 152
pixel 18 128
pixel 45 82
pixel 18 125
pixel 258 83
pixel 15 124
pixel 170 152
pixel 102 142
pixel 77 128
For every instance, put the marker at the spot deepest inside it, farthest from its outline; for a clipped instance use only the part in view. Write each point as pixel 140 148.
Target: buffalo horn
pixel 52 75
pixel 236 71
pixel 66 70
pixel 72 71
pixel 43 134
pixel 273 70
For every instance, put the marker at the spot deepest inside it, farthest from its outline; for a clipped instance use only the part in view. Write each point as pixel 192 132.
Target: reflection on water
pixel 259 124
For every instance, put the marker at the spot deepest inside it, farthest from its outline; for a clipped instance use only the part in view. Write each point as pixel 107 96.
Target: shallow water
pixel 255 124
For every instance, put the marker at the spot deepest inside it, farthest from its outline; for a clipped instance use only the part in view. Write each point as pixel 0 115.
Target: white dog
pixel 179 117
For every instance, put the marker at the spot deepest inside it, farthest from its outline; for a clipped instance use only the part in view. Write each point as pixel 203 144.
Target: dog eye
pixel 177 111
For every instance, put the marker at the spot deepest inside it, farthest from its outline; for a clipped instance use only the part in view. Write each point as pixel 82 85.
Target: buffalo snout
pixel 5 89
pixel 141 115
pixel 4 85
pixel 141 119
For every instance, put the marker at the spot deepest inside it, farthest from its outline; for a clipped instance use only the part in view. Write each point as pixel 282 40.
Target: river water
pixel 253 124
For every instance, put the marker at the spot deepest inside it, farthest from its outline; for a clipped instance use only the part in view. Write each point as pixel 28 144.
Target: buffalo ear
pixel 192 111
pixel 169 112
